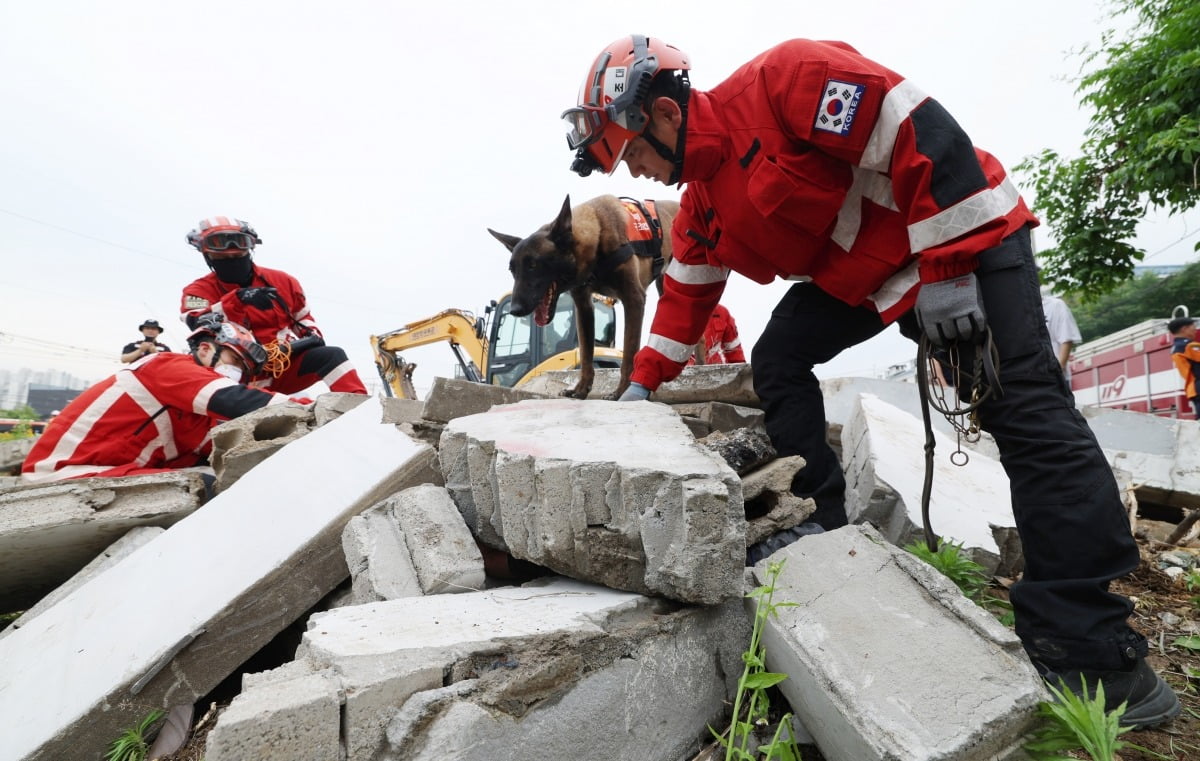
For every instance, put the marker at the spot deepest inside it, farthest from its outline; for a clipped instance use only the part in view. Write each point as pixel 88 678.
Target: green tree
pixel 1147 297
pixel 1141 148
pixel 24 412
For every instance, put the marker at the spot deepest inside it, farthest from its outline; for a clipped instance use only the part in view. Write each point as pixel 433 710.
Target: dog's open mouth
pixel 545 307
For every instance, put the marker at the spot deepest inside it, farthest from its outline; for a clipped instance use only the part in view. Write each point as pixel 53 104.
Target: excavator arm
pixel 461 329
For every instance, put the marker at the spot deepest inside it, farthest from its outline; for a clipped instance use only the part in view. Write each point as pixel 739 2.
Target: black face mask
pixel 239 271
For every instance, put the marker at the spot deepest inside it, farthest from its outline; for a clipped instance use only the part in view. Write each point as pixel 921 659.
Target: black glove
pixel 260 298
pixel 951 310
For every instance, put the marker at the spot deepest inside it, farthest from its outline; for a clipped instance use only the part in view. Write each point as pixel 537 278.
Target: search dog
pixel 612 246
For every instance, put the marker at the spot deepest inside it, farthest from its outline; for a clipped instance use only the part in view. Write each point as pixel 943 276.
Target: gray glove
pixel 635 393
pixel 951 310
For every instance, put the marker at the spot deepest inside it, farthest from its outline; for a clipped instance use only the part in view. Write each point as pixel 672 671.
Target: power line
pixel 1173 243
pixel 69 231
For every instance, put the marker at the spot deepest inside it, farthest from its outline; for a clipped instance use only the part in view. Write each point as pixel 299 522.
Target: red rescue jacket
pixel 812 162
pixel 281 322
pixel 152 415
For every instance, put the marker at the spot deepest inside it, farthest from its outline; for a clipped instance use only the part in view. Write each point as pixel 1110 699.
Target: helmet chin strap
pixel 676 156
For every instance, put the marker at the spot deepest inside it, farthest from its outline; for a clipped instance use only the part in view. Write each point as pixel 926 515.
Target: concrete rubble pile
pixel 500 573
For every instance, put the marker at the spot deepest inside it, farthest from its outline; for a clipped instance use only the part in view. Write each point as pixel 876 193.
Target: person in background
pixel 155 414
pixel 1060 324
pixel 1185 353
pixel 149 344
pixel 815 164
pixel 271 304
pixel 720 344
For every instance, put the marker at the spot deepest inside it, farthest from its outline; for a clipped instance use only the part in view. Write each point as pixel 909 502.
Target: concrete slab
pixel 618 493
pixel 171 620
pixel 498 675
pixel 48 532
pixel 133 539
pixel 1161 455
pixel 866 652
pixel 841 401
pixel 884 460
pixel 731 384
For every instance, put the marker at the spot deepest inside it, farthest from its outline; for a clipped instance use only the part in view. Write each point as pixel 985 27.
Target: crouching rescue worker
pixel 156 414
pixel 271 304
pixel 814 164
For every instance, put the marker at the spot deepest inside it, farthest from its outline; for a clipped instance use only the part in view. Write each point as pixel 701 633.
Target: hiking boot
pixel 779 540
pixel 1149 700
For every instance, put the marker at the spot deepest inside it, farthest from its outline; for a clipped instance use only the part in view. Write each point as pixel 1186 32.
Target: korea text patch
pixel 839 104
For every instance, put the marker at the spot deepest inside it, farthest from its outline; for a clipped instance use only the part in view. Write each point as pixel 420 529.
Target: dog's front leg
pixel 585 328
pixel 635 310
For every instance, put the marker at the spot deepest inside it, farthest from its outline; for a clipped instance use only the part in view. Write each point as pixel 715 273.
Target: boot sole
pixel 1159 706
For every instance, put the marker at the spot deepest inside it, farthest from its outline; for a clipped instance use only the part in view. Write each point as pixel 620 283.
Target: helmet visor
pixel 228 240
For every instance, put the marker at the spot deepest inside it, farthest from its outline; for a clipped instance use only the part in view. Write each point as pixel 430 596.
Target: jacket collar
pixel 707 145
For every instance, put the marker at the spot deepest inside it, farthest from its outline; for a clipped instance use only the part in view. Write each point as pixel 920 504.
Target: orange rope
pixel 279 358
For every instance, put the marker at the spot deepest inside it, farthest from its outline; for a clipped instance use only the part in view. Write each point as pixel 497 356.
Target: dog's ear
pixel 560 230
pixel 510 241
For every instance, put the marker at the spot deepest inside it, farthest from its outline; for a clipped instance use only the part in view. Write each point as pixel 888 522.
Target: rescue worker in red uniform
pixel 721 343
pixel 270 303
pixel 814 164
pixel 156 414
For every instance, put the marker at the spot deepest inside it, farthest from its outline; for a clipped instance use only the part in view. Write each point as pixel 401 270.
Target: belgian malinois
pixel 608 245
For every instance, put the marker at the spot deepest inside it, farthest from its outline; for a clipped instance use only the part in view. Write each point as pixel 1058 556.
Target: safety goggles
pixel 227 241
pixel 254 352
pixel 584 125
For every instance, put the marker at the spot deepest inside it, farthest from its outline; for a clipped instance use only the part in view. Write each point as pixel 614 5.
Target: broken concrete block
pixel 770 505
pixel 720 416
pixel 218 586
pixel 443 551
pixel 743 449
pixel 1160 454
pixel 242 443
pixel 618 493
pixel 398 411
pixel 498 675
pixel 451 398
pixel 294 718
pixel 377 557
pixel 732 384
pixel 48 532
pixel 884 462
pixel 13 454
pixel 132 539
pixel 866 648
pixel 334 404
pixel 412 543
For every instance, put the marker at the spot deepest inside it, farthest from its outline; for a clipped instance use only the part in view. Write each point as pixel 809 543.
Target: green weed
pixel 966 574
pixel 1073 722
pixel 133 743
pixel 751 705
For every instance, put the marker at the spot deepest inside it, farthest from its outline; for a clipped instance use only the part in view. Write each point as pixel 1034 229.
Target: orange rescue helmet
pixel 611 106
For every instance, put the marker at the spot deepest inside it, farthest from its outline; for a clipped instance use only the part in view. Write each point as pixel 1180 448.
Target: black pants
pixel 1066 503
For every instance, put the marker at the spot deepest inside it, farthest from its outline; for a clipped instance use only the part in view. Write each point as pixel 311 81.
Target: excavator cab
pixel 519 350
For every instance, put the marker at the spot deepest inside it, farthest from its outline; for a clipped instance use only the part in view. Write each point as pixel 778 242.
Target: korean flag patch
pixel 839 103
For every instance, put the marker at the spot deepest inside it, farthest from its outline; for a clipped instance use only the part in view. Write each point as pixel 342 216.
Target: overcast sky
pixel 372 143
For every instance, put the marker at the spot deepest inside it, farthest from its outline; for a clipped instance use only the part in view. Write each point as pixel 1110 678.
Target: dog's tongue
pixel 541 315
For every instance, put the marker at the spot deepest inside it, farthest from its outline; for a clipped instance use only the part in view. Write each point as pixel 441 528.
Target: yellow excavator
pixel 498 348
